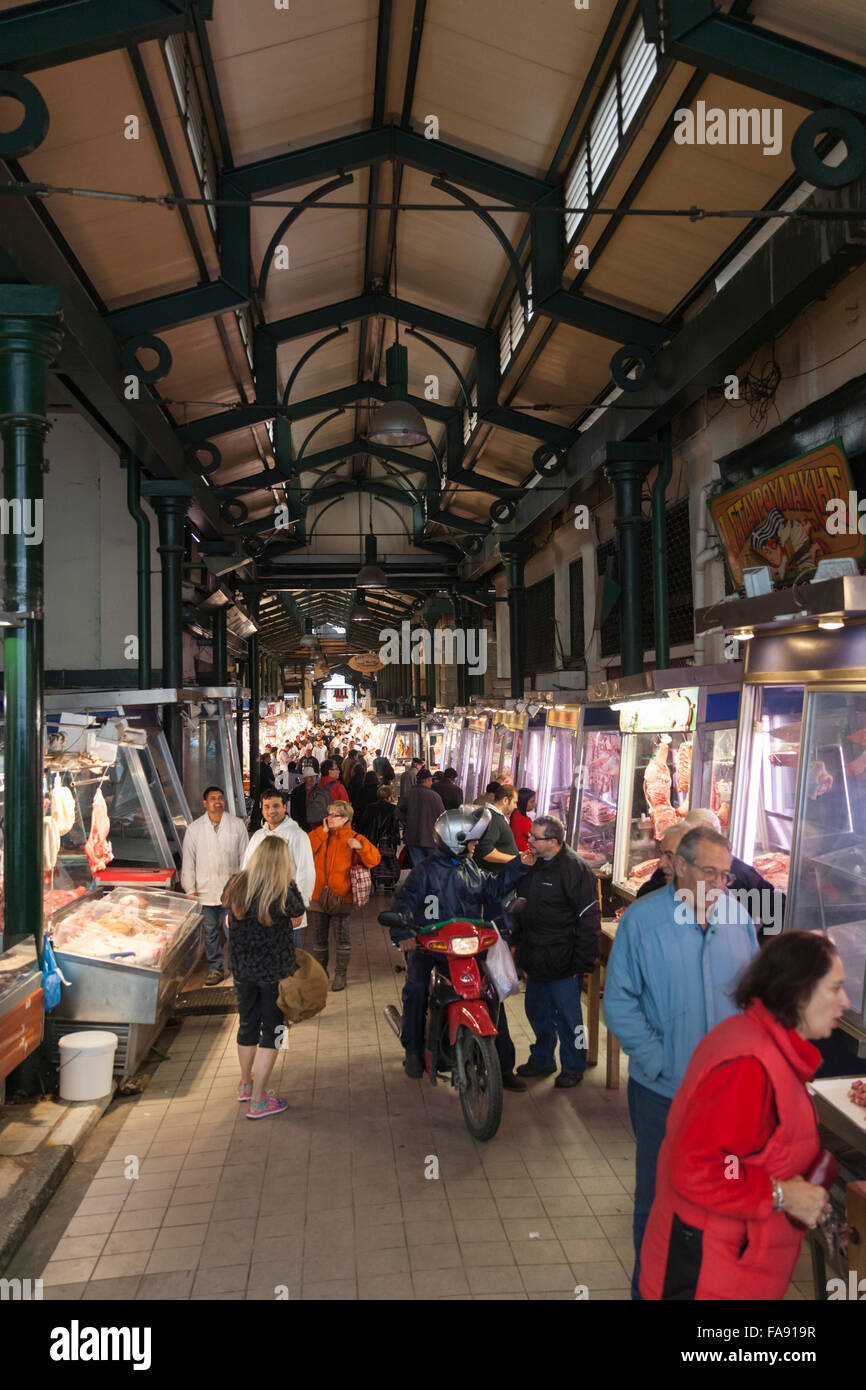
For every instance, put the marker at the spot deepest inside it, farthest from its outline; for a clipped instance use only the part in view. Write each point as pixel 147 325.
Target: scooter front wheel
pixel 481 1097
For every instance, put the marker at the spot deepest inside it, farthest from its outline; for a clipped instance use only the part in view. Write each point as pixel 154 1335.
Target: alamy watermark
pixel 739 125
pixel 764 905
pixel 22 518
pixel 449 646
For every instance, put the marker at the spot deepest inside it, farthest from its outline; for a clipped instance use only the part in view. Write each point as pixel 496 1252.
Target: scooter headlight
pixel 464 945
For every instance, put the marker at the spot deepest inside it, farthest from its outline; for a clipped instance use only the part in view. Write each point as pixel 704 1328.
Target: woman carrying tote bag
pixel 335 846
pixel 264 906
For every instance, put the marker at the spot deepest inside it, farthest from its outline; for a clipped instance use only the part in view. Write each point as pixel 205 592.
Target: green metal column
pixel 626 476
pixel 170 501
pixel 30 337
pixel 462 676
pixel 660 555
pixel 239 717
pixel 142 527
pixel 514 556
pixel 254 664
pixel 218 634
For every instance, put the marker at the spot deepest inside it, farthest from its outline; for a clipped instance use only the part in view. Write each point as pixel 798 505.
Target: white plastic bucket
pixel 86 1065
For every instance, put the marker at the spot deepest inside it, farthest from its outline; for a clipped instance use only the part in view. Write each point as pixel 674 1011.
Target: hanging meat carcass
pixel 684 776
pixel 97 846
pixel 62 806
pixel 657 790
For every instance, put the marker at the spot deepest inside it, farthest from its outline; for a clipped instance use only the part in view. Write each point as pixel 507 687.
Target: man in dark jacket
pixel 556 941
pixel 449 884
pixel 451 794
pixel 497 845
pixel 419 810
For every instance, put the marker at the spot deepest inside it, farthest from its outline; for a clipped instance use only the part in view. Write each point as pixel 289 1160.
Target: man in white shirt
pixel 276 821
pixel 213 849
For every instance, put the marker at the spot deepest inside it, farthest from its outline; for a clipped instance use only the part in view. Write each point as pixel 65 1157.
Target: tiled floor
pixel 339 1197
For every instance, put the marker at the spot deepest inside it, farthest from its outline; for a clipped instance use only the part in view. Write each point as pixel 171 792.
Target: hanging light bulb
pixel 309 638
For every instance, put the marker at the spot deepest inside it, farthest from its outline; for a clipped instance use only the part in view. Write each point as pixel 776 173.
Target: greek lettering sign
pixel 781 519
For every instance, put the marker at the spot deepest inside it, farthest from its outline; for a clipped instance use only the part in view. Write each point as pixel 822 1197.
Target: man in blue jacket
pixel 448 883
pixel 672 969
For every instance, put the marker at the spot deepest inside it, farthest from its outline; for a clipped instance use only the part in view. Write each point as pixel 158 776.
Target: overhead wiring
pixel 170 201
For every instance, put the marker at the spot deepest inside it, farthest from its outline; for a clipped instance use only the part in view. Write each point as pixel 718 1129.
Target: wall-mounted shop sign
pixel 367 662
pixel 780 519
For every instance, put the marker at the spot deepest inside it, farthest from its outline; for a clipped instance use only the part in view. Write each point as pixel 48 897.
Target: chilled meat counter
pixel 20 1006
pixel 506 744
pixel 591 826
pixel 558 759
pixel 676 752
pixel 125 953
pixel 210 747
pixel 799 795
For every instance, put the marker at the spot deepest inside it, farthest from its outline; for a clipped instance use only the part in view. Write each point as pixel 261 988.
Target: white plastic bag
pixel 501 968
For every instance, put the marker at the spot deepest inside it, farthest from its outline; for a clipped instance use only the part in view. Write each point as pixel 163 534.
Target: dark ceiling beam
pixel 367 305
pixel 88 368
pixel 174 310
pixel 798 266
pixel 696 32
pixel 284 171
pixel 592 316
pixel 44 35
pixel 380 87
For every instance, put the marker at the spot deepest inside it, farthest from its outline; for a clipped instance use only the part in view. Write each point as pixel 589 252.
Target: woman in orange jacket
pixel 333 845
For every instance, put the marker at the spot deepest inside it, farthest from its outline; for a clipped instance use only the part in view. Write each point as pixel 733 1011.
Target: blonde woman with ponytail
pixel 264 906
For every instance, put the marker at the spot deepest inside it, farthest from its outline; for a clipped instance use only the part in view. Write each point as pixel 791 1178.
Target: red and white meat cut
pixel 97 846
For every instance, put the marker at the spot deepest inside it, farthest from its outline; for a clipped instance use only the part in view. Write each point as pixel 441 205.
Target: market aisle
pixel 331 1200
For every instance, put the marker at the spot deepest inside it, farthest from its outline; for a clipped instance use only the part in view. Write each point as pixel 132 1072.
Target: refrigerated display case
pixel 677 748
pixel 592 813
pixel 473 757
pixel 505 744
pixel 557 763
pixel 210 749
pixel 451 741
pixel 532 748
pixel 100 786
pixel 125 953
pixel 434 742
pixel 799 796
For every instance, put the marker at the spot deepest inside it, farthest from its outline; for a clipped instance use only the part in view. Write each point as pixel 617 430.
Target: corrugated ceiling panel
pixel 503 76
pixel 130 251
pixel 316 64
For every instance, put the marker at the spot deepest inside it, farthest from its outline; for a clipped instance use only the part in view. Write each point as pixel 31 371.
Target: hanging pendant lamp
pixel 371 575
pixel 398 423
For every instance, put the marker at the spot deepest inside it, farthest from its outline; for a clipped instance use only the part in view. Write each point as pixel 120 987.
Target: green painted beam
pixel 368 147
pixel 603 319
pixel 174 310
pixel 698 33
pixel 365 305
pixel 33 37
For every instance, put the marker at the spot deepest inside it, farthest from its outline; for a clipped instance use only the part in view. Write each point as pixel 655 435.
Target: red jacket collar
pixel 802 1055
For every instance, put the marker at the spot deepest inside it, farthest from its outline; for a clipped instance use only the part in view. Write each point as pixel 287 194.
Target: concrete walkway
pixel 337 1198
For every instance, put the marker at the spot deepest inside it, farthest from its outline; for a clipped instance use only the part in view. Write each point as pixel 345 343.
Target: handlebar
pixel 391 919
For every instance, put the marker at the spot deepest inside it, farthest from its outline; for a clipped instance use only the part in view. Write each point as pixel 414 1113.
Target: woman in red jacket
pixel 520 822
pixel 333 845
pixel 741 1135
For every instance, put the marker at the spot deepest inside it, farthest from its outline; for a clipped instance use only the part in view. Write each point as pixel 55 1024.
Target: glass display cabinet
pixel 554 792
pixel 506 742
pixel 530 765
pixel 453 725
pixel 676 752
pixel 473 756
pixel 591 825
pixel 799 795
pixel 434 743
pixel 210 749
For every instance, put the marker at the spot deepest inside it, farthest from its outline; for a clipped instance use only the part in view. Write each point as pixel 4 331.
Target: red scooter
pixel 462 1011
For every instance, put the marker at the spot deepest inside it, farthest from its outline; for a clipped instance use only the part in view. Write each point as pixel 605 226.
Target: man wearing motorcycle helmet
pixel 448 883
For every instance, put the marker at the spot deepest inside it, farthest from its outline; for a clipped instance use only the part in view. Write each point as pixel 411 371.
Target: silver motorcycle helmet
pixel 454 829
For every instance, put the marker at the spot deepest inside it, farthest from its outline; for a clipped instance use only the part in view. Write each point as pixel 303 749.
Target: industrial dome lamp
pixel 309 639
pixel 398 423
pixel 371 575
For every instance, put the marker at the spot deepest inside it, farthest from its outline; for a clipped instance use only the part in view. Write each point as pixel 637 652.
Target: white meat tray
pixel 834 1090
